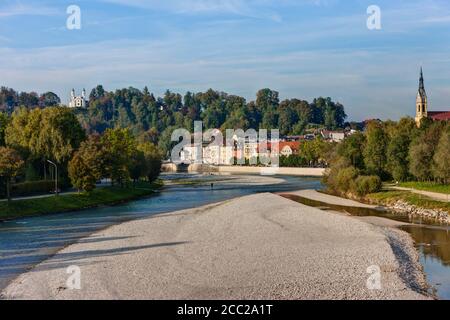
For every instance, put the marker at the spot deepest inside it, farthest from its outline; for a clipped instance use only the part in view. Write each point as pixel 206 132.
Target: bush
pixel 365 185
pixel 345 179
pixel 340 177
pixel 33 188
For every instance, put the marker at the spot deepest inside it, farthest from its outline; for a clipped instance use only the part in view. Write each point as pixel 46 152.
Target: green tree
pixel 375 150
pixel 267 101
pixel 441 159
pixel 401 135
pixel 119 146
pixel 422 150
pixel 352 149
pixel 4 120
pixel 87 165
pixel 10 166
pixel 60 134
pixel 49 99
pixel 397 156
pixel 153 160
pixel 138 165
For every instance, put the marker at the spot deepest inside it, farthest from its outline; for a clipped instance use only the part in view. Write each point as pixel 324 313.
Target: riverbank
pixel 427 186
pixel 405 202
pixel 267 171
pixel 412 204
pixel 72 202
pixel 260 246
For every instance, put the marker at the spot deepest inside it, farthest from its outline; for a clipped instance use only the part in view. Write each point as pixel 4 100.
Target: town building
pixel 78 101
pixel 288 149
pixel 422 105
pixel 333 136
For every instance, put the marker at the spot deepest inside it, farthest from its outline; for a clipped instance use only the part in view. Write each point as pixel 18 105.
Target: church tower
pixel 421 101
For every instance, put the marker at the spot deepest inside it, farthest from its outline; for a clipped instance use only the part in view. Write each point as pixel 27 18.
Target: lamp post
pixel 56 176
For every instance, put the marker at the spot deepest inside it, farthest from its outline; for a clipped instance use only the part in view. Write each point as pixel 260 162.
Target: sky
pixel 301 48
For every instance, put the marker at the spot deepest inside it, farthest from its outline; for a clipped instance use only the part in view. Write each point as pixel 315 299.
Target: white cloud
pixel 20 9
pixel 351 76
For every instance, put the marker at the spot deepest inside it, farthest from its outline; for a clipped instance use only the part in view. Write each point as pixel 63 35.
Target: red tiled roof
pixel 439 115
pixel 294 145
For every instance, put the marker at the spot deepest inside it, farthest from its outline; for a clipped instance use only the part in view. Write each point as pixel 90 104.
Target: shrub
pixel 345 179
pixel 365 185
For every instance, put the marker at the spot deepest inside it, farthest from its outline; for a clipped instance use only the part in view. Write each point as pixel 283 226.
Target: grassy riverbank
pixel 387 198
pixel 427 186
pixel 72 202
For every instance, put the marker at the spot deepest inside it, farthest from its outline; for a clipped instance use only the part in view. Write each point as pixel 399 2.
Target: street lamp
pixel 56 176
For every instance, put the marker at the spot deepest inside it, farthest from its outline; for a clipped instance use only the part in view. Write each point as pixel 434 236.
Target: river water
pixel 27 242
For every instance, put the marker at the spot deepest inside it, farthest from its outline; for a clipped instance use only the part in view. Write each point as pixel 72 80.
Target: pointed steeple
pixel 422 92
pixel 421 84
pixel 421 101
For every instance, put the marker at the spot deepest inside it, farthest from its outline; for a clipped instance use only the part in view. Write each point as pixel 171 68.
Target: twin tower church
pixel 422 106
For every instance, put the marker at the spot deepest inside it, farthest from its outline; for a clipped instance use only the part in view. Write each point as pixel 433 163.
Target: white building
pixel 78 101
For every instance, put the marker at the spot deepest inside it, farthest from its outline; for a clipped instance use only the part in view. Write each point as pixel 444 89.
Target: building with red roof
pixel 422 106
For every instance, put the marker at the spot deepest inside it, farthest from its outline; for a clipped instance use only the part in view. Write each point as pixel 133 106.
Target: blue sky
pixel 301 48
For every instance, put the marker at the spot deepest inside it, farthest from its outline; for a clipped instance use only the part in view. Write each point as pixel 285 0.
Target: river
pixel 29 241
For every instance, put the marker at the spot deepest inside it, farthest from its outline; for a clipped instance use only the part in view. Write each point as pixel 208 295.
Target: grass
pixel 390 197
pixel 72 202
pixel 427 186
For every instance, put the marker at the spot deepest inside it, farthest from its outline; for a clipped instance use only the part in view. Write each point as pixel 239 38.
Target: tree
pixel 397 156
pixel 165 142
pixel 49 99
pixel 375 150
pixel 267 101
pixel 53 133
pixel 138 165
pixel 153 160
pixel 288 117
pixel 87 165
pixel 119 146
pixel 60 134
pixel 352 149
pixel 97 93
pixel 441 159
pixel 422 150
pixel 10 165
pixel 28 99
pixel 398 148
pixel 4 120
pixel 420 161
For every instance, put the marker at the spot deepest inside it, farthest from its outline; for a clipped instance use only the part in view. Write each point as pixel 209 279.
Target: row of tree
pixel 155 117
pixel 31 137
pixel 393 150
pixel 11 99
pixel 116 155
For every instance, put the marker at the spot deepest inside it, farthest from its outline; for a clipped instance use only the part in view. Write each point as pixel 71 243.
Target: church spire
pixel 421 84
pixel 421 101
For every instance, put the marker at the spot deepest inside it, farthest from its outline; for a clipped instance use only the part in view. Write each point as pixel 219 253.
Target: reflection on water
pixel 26 242
pixel 434 248
pixel 432 240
